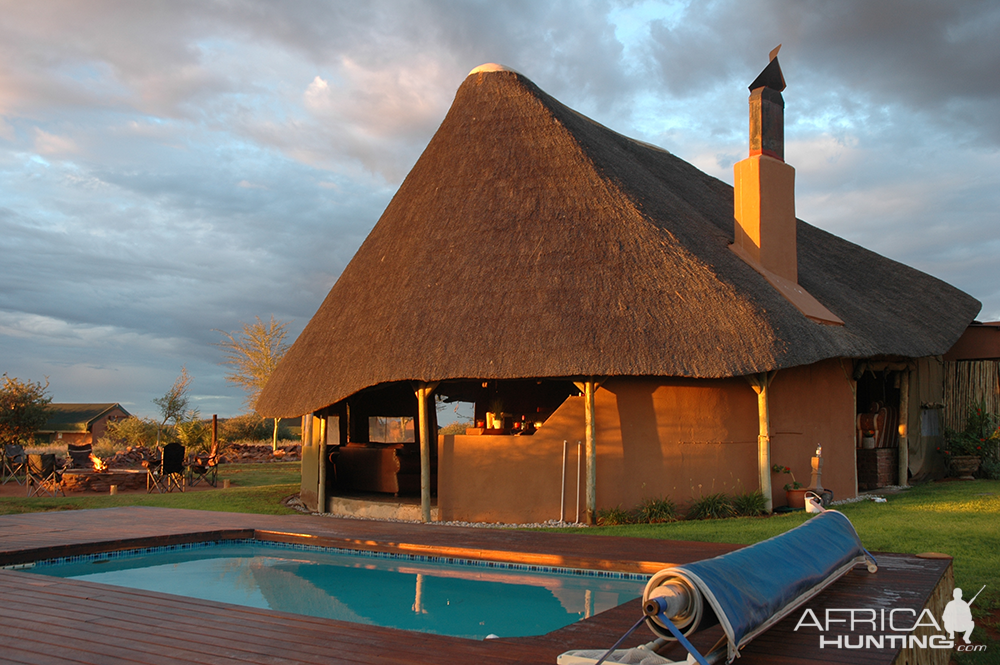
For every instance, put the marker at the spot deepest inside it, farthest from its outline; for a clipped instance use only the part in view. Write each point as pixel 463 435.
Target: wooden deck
pixel 54 621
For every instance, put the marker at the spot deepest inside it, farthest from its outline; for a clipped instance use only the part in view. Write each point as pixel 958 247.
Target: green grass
pixel 958 518
pixel 961 519
pixel 255 488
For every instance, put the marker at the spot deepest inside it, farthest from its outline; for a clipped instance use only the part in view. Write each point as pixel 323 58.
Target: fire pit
pixel 88 480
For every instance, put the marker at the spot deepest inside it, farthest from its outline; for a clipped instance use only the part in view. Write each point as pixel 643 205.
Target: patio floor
pixel 56 621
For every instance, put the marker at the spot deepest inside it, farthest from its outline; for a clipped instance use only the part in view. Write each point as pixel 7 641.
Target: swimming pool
pixel 461 598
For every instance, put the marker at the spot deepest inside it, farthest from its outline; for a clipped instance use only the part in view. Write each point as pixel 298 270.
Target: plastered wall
pixel 655 438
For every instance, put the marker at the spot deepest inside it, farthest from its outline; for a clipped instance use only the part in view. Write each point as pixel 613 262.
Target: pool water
pixel 471 599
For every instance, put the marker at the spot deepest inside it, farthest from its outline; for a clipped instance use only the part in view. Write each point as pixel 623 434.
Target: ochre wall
pixel 511 478
pixel 814 405
pixel 656 437
pixel 676 438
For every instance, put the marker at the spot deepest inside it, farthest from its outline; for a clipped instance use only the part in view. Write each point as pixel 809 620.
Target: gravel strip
pixel 296 504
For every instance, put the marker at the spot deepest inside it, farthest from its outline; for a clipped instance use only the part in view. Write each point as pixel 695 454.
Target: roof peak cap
pixel 492 67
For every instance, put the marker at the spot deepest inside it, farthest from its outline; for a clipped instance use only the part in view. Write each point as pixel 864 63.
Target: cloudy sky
pixel 172 168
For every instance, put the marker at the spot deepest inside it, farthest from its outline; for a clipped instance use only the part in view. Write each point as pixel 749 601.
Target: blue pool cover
pixel 753 588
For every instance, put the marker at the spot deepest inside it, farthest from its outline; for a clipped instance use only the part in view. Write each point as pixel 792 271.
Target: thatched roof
pixel 531 241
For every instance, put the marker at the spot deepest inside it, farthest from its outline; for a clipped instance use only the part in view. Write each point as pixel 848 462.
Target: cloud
pixel 853 57
pixel 49 144
pixel 170 168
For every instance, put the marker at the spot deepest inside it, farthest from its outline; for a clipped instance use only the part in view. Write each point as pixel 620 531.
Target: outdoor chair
pixel 43 476
pixel 79 455
pixel 166 473
pixel 205 468
pixel 15 464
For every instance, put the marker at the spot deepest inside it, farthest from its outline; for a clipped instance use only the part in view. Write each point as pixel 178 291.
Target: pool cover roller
pixel 746 591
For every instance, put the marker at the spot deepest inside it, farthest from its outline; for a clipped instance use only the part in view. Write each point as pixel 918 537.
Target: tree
pixel 173 405
pixel 253 353
pixel 23 409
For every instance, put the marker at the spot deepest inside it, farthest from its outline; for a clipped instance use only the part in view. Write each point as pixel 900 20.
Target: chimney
pixel 764 183
pixel 764 192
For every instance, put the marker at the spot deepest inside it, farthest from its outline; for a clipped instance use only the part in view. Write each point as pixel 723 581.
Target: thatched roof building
pixel 526 227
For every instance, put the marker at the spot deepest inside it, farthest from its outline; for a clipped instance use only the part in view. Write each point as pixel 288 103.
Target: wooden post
pixel 760 385
pixel 310 472
pixel 904 417
pixel 591 445
pixel 307 439
pixel 423 392
pixel 588 388
pixel 321 489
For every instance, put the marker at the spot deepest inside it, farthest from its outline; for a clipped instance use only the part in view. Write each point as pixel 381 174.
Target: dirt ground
pixel 12 489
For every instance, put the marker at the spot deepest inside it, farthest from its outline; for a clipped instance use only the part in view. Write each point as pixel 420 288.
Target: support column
pixel 760 384
pixel 310 467
pixel 904 417
pixel 320 425
pixel 591 447
pixel 423 392
pixel 588 388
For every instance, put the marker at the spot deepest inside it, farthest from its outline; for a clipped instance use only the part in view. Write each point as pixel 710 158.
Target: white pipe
pixel 562 492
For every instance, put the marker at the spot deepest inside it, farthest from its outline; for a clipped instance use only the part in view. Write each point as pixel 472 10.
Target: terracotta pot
pixel 796 498
pixel 964 466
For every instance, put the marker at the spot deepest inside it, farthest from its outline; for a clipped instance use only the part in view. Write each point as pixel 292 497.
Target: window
pixel 390 429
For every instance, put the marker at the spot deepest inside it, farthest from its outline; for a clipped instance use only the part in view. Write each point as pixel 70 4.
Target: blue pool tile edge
pixel 502 565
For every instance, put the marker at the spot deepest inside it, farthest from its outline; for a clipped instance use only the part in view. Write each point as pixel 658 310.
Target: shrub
pixel 247 427
pixel 990 468
pixel 194 434
pixel 976 437
pixel 712 506
pixel 749 504
pixel 105 448
pixel 131 431
pixel 614 516
pixel 654 511
pixel 285 433
pixel 457 427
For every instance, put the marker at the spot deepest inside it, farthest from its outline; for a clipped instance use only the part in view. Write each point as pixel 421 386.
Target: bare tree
pixel 253 353
pixel 173 405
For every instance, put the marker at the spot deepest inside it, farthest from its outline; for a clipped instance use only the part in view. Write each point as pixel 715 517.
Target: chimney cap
pixel 771 77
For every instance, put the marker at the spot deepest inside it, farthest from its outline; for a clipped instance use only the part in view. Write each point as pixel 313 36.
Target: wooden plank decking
pixel 55 621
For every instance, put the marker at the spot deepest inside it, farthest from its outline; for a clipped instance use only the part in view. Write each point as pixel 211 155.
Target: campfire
pixel 97 463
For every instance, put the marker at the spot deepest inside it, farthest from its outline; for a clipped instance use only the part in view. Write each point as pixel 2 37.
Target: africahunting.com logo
pixel 867 628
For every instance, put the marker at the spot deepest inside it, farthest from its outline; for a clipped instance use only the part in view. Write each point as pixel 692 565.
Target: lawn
pixel 254 488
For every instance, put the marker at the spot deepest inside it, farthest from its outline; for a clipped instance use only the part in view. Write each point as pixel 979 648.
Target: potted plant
pixel 795 492
pixel 963 449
